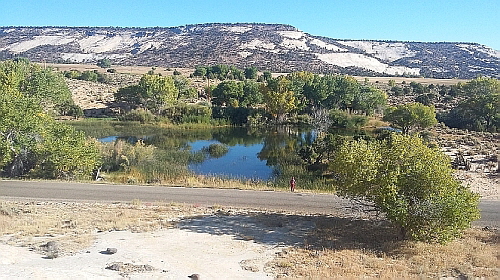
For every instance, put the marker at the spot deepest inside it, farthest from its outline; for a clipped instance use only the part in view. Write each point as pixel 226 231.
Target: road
pixel 303 202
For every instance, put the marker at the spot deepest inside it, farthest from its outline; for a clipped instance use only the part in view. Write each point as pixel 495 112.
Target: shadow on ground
pixel 297 230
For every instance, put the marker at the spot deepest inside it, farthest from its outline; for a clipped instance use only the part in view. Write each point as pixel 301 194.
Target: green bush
pixel 188 113
pixel 408 181
pixel 216 150
pixel 341 119
pixel 140 115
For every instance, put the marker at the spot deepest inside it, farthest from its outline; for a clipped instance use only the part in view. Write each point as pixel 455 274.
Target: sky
pixel 476 21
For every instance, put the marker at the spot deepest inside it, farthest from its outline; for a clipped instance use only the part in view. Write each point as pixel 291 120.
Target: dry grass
pixel 337 248
pixel 365 249
pixel 73 224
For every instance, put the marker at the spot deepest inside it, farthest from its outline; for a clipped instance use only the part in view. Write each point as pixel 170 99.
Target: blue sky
pixel 418 20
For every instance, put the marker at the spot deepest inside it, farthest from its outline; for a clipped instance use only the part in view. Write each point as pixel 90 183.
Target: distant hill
pixel 274 47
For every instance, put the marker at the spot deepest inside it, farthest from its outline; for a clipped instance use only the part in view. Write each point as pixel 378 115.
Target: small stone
pixel 111 251
pixel 115 266
pixel 52 249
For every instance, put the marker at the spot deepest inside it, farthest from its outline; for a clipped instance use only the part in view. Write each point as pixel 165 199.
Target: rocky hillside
pixel 274 47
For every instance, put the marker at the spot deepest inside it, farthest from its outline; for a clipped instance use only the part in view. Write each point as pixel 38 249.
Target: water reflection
pixel 254 153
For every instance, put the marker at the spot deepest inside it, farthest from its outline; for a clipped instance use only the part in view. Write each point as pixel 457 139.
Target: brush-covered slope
pixel 274 47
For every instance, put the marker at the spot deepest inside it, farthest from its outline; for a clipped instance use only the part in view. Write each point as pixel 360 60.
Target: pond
pixel 253 153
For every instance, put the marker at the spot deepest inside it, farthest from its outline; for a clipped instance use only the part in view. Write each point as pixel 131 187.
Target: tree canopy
pixel 43 84
pixel 481 109
pixel 153 92
pixel 410 116
pixel 32 143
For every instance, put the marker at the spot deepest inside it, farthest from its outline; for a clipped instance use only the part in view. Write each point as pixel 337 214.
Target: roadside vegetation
pixel 405 177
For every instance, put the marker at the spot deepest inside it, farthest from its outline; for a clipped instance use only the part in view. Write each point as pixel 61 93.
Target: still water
pixel 252 153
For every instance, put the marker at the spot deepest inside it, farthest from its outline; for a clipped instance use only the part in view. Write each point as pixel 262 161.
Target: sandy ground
pixel 170 254
pixel 220 245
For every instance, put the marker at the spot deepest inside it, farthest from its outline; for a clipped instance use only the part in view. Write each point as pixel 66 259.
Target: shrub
pixel 188 113
pixel 408 181
pixel 216 150
pixel 140 115
pixel 341 119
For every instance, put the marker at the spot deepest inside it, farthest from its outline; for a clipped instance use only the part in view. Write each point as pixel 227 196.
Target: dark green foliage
pixel 188 113
pixel 228 93
pixel 183 85
pixel 91 76
pixel 251 73
pixel 153 93
pixel 104 63
pixel 411 116
pixel 216 150
pixel 426 99
pixel 267 75
pixel 480 110
pixel 341 119
pixel 397 91
pixel 140 114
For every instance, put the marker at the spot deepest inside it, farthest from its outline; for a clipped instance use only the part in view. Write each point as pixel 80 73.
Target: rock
pixel 194 276
pixel 111 251
pixel 52 249
pixel 115 266
pixel 126 268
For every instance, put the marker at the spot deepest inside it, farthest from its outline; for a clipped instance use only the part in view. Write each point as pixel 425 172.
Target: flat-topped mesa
pixel 273 47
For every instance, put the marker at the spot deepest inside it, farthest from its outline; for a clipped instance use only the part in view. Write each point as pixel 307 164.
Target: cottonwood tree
pixel 278 98
pixel 408 181
pixel 481 109
pixel 46 86
pixel 33 144
pixel 410 116
pixel 153 93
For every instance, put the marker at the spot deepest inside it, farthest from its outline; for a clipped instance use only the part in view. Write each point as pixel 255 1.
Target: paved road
pixel 311 203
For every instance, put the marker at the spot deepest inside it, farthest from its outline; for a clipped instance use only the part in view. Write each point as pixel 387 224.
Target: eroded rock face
pixel 273 47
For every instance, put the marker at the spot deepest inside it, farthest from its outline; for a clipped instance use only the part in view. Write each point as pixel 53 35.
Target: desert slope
pixel 274 47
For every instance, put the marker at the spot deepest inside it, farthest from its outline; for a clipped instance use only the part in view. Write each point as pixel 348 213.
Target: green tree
pixel 46 86
pixel 65 153
pixel 368 99
pixel 481 109
pixel 341 91
pixel 229 93
pixel 410 116
pixel 237 74
pixel 251 73
pixel 183 86
pixel 200 71
pixel 88 75
pixel 267 75
pixel 153 93
pixel 408 181
pixel 104 63
pixel 278 97
pixel 251 94
pixel 33 144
